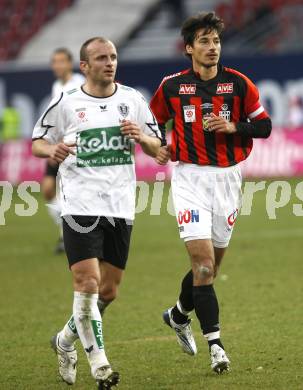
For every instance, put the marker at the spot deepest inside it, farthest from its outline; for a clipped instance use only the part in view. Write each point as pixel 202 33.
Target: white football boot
pixel 219 360
pixel 67 361
pixel 106 378
pixel 184 333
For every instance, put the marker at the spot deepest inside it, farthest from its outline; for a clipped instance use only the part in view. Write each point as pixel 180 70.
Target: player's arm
pixel 48 135
pixel 260 128
pixel 145 130
pixel 259 125
pixel 57 152
pixel 149 144
pixel 159 107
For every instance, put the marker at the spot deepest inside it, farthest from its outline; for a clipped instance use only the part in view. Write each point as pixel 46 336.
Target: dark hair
pixel 64 50
pixel 83 50
pixel 203 20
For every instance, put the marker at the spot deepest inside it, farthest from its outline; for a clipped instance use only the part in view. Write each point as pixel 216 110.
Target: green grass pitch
pixel 260 289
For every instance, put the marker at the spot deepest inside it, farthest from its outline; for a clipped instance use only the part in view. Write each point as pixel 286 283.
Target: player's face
pixel 102 63
pixel 206 48
pixel 61 65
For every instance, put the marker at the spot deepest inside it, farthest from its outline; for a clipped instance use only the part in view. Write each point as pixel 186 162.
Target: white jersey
pixel 100 179
pixel 75 81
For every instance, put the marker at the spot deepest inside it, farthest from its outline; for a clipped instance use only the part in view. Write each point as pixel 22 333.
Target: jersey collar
pixel 210 81
pixel 99 97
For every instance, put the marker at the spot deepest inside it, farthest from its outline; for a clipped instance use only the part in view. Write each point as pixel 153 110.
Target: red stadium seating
pixel 21 19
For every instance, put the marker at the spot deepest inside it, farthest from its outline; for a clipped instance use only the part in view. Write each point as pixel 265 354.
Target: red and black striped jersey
pixel 188 100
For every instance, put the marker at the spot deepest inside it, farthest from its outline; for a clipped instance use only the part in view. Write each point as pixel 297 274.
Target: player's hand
pixel 164 155
pixel 52 162
pixel 60 151
pixel 131 130
pixel 220 125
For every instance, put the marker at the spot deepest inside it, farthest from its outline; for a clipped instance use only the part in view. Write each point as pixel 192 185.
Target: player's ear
pixel 83 66
pixel 189 49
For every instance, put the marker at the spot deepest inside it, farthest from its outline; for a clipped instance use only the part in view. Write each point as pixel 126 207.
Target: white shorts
pixel 207 201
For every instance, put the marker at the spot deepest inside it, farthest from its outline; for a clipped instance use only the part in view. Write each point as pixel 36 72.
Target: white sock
pixel 212 335
pixel 68 335
pixel 54 211
pixel 89 326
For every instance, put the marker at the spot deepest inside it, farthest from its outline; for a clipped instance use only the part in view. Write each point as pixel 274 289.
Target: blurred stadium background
pixel 263 39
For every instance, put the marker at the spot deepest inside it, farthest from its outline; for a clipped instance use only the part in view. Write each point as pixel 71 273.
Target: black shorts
pixel 109 240
pixel 51 170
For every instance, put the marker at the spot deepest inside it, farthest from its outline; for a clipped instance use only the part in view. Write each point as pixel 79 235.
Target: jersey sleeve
pixel 252 106
pixel 51 123
pixel 159 106
pixel 146 119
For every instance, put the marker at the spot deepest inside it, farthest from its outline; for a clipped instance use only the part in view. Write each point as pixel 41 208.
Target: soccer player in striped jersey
pixel 216 113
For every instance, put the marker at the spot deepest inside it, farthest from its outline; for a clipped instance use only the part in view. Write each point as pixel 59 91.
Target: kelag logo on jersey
pixel 225 88
pixel 188 216
pixel 187 89
pixel 103 147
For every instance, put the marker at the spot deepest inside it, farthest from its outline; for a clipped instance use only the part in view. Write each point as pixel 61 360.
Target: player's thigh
pixel 228 199
pixel 117 236
pixel 200 250
pixel 192 203
pixel 83 238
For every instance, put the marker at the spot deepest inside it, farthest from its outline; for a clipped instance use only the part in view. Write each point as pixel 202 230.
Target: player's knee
pixel 203 271
pixel 88 283
pixel 108 292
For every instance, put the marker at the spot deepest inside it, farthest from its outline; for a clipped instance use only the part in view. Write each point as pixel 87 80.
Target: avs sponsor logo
pixel 188 216
pixel 225 113
pixel 231 219
pixel 189 113
pixel 187 89
pixel 225 88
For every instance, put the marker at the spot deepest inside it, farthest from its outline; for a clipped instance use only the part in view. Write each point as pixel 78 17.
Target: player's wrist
pixel 143 139
pixel 232 127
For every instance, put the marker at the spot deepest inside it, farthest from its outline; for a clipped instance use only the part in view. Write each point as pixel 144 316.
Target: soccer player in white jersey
pixel 66 79
pixel 91 132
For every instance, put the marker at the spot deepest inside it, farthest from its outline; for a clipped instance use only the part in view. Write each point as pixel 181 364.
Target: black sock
pixel 215 341
pixel 207 310
pixel 185 299
pixel 186 296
